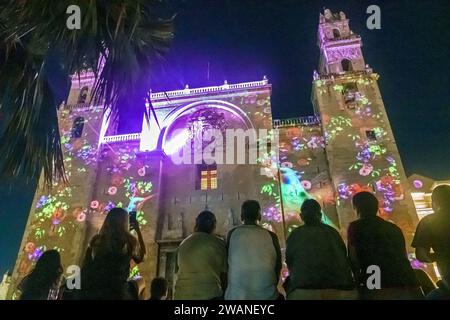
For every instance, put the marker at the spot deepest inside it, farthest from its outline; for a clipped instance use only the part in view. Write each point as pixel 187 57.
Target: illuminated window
pixel 77 127
pixel 207 177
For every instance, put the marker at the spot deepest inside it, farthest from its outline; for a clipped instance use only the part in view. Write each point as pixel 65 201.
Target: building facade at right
pixel 359 143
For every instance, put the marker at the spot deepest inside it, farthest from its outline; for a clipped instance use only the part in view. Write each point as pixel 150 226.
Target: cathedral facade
pixel 346 146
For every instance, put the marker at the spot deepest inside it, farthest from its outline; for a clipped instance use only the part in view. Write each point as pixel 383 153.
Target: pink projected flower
pixel 112 190
pixel 29 247
pixel 286 164
pixel 141 171
pixel 94 204
pixel 306 184
pixel 81 217
pixel 366 169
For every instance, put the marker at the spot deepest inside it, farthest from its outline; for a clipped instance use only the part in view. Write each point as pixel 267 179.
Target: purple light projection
pixel 193 121
pixel 418 184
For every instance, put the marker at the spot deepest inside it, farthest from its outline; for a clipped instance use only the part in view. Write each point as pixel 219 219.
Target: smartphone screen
pixel 133 220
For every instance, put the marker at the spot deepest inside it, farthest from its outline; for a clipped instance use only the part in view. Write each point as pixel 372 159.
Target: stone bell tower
pixel 360 145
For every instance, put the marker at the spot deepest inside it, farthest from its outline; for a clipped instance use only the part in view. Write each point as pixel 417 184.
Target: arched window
pixel 346 65
pixel 336 34
pixel 77 127
pixel 83 95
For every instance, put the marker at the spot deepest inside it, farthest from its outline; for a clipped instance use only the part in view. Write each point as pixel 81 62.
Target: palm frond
pixel 119 41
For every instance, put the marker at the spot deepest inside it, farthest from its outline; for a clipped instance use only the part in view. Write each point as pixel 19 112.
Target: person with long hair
pixel 44 278
pixel 106 266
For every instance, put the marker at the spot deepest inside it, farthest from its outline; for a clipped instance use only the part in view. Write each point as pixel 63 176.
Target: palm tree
pixel 119 41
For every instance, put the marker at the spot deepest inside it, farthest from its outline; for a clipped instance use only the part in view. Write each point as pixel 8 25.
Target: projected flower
pixel 94 204
pixel 36 254
pixel 286 164
pixel 81 217
pixel 29 247
pixel 306 184
pixel 418 184
pixel 316 142
pixel 366 169
pixel 112 190
pixel 272 213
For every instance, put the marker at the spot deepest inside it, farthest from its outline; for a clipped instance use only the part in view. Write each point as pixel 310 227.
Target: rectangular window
pixel 206 177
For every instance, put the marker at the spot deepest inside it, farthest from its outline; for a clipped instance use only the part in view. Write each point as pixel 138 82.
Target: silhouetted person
pixel 158 289
pixel 254 258
pixel 432 239
pixel 317 260
pixel 373 241
pixel 43 279
pixel 107 262
pixel 201 262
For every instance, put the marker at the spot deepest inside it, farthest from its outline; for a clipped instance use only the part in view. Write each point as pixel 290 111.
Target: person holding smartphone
pixel 106 265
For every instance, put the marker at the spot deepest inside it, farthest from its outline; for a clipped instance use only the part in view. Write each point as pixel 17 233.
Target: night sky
pixel 243 40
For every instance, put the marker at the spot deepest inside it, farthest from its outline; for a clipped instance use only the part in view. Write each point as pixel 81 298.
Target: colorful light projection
pixel 296 149
pixel 294 192
pixel 418 184
pixel 189 128
pixel 375 166
pixel 57 216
